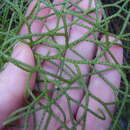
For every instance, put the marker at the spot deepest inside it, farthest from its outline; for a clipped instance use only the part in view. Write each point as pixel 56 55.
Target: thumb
pixel 13 82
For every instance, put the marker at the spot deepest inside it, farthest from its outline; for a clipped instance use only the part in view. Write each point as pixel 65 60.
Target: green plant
pixel 11 20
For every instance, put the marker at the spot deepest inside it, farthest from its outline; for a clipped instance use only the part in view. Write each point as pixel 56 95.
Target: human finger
pixel 101 89
pixel 34 26
pixel 13 82
pixel 51 24
pixel 85 50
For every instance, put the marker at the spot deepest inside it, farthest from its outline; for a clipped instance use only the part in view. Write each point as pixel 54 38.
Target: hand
pixel 12 94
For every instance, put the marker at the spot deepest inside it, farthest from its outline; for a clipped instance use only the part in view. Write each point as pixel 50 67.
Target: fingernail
pixel 15 46
pixel 4 67
pixel 16 50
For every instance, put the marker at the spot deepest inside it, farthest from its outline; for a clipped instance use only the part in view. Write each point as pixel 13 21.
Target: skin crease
pixel 11 95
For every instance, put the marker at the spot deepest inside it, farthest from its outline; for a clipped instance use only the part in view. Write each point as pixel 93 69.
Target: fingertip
pixel 30 7
pixel 23 53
